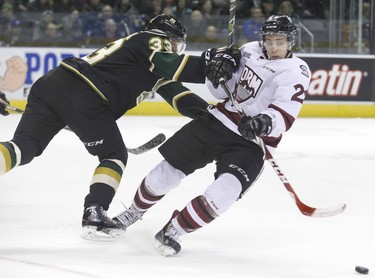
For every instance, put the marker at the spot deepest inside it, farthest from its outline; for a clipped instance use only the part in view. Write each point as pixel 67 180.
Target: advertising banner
pixel 346 80
pixel 341 78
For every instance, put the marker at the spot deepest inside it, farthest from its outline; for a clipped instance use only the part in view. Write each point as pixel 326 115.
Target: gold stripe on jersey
pixel 88 81
pixel 181 67
pixel 10 156
pixel 151 68
pixel 177 97
pixel 5 159
pixel 161 83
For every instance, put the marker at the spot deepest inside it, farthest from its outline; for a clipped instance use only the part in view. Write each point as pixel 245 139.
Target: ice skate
pixel 128 217
pixel 96 225
pixel 166 240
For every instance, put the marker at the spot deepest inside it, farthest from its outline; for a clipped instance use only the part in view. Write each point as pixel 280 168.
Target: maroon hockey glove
pixel 225 61
pixel 2 105
pixel 260 125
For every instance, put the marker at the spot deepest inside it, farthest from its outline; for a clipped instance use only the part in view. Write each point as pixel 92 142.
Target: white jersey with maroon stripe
pixel 273 87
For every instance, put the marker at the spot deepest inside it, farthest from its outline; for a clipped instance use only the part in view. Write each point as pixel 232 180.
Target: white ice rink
pixel 327 161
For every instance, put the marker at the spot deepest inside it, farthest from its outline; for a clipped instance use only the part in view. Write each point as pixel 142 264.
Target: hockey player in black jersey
pixel 91 93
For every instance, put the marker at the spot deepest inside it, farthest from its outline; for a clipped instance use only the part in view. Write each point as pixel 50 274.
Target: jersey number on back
pixel 104 52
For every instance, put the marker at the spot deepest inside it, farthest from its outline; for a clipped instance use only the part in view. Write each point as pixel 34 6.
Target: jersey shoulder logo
pixel 249 84
pixel 304 71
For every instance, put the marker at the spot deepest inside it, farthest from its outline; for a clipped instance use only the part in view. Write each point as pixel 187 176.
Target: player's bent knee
pixel 163 178
pixel 223 193
pixel 119 155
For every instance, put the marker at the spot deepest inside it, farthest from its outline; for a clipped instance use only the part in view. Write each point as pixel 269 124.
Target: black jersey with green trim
pixel 124 71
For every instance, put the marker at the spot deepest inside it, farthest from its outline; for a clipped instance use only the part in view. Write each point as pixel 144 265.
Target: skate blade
pixel 164 250
pixel 91 233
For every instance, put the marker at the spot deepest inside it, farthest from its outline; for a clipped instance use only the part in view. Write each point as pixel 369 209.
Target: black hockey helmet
pixel 172 27
pixel 279 25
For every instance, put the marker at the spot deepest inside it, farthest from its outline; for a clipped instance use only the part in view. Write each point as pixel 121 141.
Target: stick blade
pixel 154 142
pixel 325 212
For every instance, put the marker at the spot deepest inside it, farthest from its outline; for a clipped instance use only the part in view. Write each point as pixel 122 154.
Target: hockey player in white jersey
pixel 269 84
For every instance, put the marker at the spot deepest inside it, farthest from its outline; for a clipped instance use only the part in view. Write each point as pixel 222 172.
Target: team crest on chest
pixel 248 85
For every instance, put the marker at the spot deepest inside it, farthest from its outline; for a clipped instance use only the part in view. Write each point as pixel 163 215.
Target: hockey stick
pixel 232 22
pixel 7 106
pixel 305 209
pixel 154 142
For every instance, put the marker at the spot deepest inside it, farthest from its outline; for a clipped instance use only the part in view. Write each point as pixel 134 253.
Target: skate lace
pixel 129 216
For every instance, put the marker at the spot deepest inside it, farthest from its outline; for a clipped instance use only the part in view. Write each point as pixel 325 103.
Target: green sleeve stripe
pixel 181 67
pixel 167 65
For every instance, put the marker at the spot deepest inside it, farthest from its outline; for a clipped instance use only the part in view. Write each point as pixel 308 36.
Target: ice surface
pixel 327 161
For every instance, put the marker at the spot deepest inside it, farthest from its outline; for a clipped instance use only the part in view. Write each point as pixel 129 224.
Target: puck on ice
pixel 361 269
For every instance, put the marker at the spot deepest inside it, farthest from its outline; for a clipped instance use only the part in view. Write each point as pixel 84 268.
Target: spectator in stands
pixel 109 33
pixel 95 22
pixel 286 8
pixel 251 26
pixel 106 12
pixel 211 39
pixel 194 4
pixel 41 25
pixel 50 37
pixel 196 26
pixel 221 6
pixel 171 4
pixel 16 36
pixel 315 9
pixel 73 28
pixel 75 37
pixel 182 10
pixel 209 12
pixel 168 9
pixel 21 6
pixel 70 19
pixel 366 25
pixel 6 19
pixel 64 6
pixel 93 6
pixel 211 34
pixel 244 7
pixel 133 24
pixel 157 8
pixel 127 17
pixel 123 8
pixel 40 6
pixel 269 8
pixel 144 7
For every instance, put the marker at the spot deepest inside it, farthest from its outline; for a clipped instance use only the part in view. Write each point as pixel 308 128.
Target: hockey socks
pixel 10 156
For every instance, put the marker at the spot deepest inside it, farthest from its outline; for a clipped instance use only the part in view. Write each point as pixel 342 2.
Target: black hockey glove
pixel 225 61
pixel 260 125
pixel 2 105
pixel 207 55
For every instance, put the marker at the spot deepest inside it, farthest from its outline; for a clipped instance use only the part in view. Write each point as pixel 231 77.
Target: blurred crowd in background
pixel 92 23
